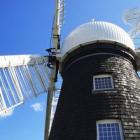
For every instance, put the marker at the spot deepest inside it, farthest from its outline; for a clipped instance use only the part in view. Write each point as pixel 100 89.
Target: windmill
pixel 87 103
pixel 27 76
pixel 100 92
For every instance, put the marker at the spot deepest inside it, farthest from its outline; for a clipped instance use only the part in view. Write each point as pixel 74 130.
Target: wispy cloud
pixel 6 114
pixel 37 107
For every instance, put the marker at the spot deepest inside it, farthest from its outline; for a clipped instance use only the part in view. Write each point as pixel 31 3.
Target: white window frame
pixel 109 121
pixel 102 76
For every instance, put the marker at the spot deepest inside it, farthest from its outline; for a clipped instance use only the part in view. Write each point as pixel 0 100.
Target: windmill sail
pixel 132 17
pixel 58 22
pixel 53 106
pixel 22 77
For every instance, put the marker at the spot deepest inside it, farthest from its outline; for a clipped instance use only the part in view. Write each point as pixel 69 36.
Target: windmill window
pixel 109 130
pixel 102 82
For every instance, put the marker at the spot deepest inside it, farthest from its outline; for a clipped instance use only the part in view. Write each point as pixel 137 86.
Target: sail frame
pixel 22 77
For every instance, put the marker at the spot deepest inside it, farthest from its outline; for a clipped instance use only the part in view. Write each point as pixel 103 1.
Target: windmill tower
pixel 100 93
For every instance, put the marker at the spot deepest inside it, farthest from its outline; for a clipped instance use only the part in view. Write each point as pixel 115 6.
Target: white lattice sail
pixel 132 17
pixel 22 77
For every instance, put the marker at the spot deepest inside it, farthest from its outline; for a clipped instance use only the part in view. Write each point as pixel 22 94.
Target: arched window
pixel 109 130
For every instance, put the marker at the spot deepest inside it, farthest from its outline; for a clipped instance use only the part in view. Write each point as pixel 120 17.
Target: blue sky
pixel 25 28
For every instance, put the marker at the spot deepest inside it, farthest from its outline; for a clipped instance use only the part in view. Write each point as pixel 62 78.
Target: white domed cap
pixel 96 31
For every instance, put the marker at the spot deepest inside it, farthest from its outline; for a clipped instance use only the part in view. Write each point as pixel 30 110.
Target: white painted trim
pixel 109 121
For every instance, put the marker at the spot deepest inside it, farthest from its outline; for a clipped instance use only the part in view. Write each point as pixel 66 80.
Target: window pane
pixel 103 82
pixel 109 131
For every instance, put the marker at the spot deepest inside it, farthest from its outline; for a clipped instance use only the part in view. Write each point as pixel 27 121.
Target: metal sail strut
pixel 22 77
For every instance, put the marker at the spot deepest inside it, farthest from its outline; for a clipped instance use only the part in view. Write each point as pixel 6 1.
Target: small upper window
pixel 109 130
pixel 102 82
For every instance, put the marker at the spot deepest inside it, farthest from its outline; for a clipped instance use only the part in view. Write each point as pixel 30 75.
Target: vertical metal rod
pixel 28 76
pixel 39 79
pixel 23 79
pixel 15 82
pixel 5 90
pixel 47 75
pixel 9 84
pixel 43 75
pixel 2 101
pixel 19 80
pixel 39 76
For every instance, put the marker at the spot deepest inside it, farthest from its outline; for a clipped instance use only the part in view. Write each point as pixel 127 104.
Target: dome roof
pixel 96 31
